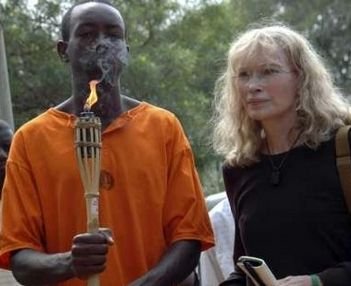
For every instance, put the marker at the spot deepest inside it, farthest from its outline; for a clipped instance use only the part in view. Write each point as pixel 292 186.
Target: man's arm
pixel 31 267
pixel 177 263
pixel 86 257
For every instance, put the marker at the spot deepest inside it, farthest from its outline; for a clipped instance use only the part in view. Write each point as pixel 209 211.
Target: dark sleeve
pixel 340 275
pixel 236 278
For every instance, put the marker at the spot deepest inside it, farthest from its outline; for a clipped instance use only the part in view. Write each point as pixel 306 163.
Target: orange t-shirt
pixel 150 194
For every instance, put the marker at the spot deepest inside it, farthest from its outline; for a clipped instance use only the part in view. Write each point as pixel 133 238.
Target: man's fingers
pixel 107 233
pixel 104 235
pixel 89 249
pixel 94 260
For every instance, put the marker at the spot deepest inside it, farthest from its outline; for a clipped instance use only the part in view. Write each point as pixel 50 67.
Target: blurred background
pixel 177 50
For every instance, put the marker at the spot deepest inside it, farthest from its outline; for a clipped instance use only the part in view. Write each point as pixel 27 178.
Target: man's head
pixel 93 41
pixel 5 142
pixel 66 19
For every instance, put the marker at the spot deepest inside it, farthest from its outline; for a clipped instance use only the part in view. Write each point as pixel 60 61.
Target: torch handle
pixel 92 205
pixel 94 280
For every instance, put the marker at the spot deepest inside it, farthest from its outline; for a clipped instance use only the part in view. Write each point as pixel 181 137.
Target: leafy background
pixel 178 49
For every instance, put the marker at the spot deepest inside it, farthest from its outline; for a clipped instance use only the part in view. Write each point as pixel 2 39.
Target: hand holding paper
pixel 257 270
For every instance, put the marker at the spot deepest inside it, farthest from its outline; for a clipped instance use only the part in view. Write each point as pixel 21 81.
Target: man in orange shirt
pixel 151 203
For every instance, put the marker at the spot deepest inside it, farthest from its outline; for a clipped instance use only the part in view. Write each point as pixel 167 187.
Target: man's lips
pixel 96 74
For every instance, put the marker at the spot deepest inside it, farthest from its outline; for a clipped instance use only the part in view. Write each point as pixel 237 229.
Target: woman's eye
pixel 243 74
pixel 270 71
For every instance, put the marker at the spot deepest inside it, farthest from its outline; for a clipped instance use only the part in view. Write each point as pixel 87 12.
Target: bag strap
pixel 343 162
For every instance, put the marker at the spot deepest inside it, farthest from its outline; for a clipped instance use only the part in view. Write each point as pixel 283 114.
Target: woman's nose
pixel 254 83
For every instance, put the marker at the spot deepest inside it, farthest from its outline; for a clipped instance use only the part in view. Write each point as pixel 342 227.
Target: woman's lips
pixel 256 101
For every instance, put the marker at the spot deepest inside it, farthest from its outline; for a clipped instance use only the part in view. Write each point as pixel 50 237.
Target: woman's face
pixel 267 86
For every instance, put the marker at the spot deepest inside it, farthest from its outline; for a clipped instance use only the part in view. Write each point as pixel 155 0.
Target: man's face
pixel 5 142
pixel 97 48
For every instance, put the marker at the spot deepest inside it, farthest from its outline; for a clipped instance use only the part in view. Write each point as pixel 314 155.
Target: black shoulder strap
pixel 343 162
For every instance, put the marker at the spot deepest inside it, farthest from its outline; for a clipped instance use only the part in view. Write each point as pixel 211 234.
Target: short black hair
pixel 66 19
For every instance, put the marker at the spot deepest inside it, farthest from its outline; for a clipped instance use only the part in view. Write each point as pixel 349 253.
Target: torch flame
pixel 92 99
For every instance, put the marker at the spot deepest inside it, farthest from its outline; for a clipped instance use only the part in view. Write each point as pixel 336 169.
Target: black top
pixel 300 226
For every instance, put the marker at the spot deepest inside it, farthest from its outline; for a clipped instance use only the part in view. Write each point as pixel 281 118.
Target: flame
pixel 92 99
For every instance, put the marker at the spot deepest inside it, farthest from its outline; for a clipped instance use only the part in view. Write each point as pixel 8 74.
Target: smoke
pixel 105 59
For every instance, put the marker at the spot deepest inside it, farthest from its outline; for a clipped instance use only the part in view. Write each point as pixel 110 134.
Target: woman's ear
pixel 62 51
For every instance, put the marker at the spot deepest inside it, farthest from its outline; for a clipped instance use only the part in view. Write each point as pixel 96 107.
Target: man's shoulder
pixel 43 121
pixel 154 112
pixel 159 110
pixel 35 121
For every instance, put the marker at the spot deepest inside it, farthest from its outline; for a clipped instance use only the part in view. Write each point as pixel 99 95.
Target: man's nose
pixel 101 45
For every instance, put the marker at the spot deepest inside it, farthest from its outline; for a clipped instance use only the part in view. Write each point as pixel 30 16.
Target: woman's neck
pixel 280 143
pixel 280 134
pixel 280 139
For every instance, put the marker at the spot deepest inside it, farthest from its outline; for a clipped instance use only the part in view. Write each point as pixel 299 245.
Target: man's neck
pixel 108 107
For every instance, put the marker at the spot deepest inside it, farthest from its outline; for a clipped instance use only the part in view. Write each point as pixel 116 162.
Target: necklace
pixel 275 169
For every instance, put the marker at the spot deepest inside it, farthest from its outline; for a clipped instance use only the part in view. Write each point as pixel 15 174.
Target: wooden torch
pixel 88 147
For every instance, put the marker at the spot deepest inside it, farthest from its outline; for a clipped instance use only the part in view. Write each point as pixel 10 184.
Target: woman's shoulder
pixel 231 171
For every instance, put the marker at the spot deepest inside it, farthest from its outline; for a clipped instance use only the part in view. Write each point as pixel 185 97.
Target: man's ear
pixel 62 50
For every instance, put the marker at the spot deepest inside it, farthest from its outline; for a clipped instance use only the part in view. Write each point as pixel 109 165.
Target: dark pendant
pixel 275 177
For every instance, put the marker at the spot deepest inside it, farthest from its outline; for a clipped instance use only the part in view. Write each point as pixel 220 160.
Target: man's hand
pixel 89 253
pixel 303 280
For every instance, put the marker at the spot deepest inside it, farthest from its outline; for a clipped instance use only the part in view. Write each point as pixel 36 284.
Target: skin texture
pixel 302 280
pixel 5 142
pixel 267 84
pixel 97 49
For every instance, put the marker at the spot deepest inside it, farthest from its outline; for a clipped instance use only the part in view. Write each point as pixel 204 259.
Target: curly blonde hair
pixel 320 107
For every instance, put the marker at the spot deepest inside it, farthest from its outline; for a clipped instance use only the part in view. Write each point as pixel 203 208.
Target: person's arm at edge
pixel 176 264
pixel 31 267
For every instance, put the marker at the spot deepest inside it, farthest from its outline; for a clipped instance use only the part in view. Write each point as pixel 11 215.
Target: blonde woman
pixel 276 114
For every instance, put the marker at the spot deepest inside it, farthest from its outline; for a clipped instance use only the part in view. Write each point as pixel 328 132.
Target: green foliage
pixel 177 52
pixel 331 33
pixel 34 70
